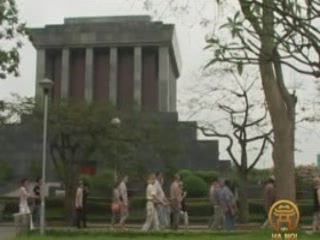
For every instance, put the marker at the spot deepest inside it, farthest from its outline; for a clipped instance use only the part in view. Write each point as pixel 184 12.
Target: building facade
pixel 129 61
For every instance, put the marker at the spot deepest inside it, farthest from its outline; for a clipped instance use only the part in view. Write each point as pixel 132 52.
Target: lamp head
pixel 116 121
pixel 46 84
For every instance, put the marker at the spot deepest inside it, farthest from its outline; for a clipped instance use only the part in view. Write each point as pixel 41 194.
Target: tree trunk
pixel 71 184
pixel 283 153
pixel 283 126
pixel 243 197
pixel 69 206
pixel 280 106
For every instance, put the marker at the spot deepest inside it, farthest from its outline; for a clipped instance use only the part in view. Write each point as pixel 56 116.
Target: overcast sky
pixel 191 35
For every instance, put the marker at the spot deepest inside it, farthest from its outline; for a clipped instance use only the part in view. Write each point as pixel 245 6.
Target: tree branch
pixel 214 133
pixel 253 139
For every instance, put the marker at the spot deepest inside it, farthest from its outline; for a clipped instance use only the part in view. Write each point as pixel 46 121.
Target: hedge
pixel 195 186
pixel 99 208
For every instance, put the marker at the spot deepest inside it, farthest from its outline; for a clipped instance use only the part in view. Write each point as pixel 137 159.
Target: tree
pixel 272 35
pixel 11 34
pixel 83 132
pixel 238 120
pixel 11 112
pixel 76 133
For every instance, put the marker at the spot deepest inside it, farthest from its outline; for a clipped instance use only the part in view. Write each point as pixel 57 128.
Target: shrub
pixel 207 176
pixel 258 175
pixel 195 186
pixel 99 209
pixel 185 173
pixel 102 182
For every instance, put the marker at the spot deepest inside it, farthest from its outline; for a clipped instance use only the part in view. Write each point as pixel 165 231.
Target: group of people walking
pixel 119 207
pixel 162 212
pixel 224 206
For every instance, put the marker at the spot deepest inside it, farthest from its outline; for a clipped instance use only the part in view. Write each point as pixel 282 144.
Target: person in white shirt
pixel 162 207
pixel 152 218
pixel 23 201
pixel 216 222
pixel 124 205
pixel 79 205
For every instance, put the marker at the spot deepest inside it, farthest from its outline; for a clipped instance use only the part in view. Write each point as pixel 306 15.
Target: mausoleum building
pixel 129 61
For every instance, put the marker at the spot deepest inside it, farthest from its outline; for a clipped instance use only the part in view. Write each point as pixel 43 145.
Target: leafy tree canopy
pixel 12 32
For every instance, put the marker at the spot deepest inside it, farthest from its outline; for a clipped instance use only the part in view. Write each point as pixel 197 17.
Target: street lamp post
pixel 116 122
pixel 46 85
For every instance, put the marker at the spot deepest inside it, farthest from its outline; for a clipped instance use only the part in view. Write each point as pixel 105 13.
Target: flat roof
pixel 108 19
pixel 109 31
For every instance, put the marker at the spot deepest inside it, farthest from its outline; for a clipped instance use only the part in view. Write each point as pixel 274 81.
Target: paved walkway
pixel 6 233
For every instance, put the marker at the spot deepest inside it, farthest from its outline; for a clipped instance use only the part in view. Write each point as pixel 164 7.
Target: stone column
pixel 164 77
pixel 40 71
pixel 65 73
pixel 88 89
pixel 137 96
pixel 113 75
pixel 173 91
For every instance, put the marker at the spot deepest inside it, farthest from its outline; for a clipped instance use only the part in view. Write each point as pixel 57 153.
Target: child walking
pixel 115 205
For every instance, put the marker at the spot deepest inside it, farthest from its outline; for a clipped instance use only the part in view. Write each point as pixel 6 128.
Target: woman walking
pixel 115 205
pixel 23 201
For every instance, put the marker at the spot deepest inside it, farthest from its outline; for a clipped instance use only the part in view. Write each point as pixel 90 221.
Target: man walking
pixel 36 202
pixel 85 196
pixel 152 219
pixel 269 198
pixel 316 204
pixel 215 200
pixel 228 206
pixel 162 204
pixel 175 199
pixel 124 203
pixel 79 204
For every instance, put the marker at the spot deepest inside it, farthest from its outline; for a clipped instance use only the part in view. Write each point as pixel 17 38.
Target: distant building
pixel 129 61
pixel 126 60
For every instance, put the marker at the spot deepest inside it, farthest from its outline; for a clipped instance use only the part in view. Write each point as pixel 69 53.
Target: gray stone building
pixel 131 62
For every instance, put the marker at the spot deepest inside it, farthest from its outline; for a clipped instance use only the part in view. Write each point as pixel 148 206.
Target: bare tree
pixel 238 117
pixel 272 35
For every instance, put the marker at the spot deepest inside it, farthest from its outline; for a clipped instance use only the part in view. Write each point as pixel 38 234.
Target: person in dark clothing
pixel 316 203
pixel 79 205
pixel 269 195
pixel 228 205
pixel 184 212
pixel 85 201
pixel 36 202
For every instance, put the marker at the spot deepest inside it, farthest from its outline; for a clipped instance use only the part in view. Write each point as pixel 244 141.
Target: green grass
pixel 107 235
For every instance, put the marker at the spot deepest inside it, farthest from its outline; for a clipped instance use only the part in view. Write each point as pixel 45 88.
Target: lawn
pixel 105 235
